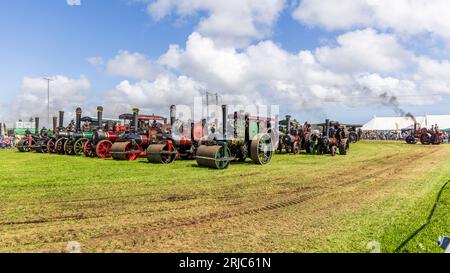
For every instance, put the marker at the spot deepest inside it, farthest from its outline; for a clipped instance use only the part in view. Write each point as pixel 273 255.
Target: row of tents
pixel 405 123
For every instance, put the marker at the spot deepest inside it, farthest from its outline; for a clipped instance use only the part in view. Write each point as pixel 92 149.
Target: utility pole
pixel 48 100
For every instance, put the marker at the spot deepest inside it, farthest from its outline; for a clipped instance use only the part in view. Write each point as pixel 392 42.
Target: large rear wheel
pixel 79 146
pixel 69 147
pixel 51 146
pixel 89 150
pixel 59 145
pixel 261 149
pixel 103 149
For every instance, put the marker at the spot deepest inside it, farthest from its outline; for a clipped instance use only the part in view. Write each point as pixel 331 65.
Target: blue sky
pixel 50 38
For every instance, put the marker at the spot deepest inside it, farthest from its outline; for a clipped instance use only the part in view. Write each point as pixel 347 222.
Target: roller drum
pixel 125 151
pixel 159 153
pixel 215 157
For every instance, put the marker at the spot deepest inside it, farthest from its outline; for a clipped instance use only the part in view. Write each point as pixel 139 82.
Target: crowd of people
pixel 394 135
pixel 8 141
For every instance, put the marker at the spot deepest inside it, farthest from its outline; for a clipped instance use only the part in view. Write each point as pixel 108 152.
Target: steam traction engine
pixel 334 138
pixel 425 136
pixel 181 142
pixel 103 137
pixel 29 142
pixel 77 138
pixel 291 138
pixel 252 136
pixel 134 143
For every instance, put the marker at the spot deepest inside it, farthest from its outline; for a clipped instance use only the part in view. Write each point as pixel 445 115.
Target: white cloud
pixel 133 65
pixel 365 51
pixel 96 61
pixel 65 94
pixel 73 2
pixel 402 16
pixel 262 73
pixel 232 22
pixel 152 96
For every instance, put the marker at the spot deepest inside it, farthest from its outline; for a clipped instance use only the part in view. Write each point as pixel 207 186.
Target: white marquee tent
pixel 399 123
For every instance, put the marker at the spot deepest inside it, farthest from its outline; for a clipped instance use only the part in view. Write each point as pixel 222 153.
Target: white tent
pixel 443 121
pixel 399 123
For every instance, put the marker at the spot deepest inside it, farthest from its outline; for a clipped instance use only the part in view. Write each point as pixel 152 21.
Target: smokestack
pixel 136 119
pixel 55 120
pixel 192 131
pixel 224 121
pixel 173 114
pixel 100 117
pixel 327 126
pixel 78 119
pixel 36 123
pixel 288 120
pixel 247 127
pixel 61 120
pixel 235 118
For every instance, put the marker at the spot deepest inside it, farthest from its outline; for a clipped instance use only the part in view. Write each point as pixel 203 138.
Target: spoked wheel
pixel 59 145
pixel 261 150
pixel 89 150
pixel 125 151
pixel 79 146
pixel 296 148
pixel 425 139
pixel 51 148
pixel 160 153
pixel 215 157
pixel 103 149
pixel 69 147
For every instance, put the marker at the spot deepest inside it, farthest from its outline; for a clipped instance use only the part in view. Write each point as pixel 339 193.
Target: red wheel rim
pixel 136 149
pixel 104 149
pixel 88 150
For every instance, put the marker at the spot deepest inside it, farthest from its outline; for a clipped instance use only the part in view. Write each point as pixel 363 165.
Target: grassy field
pixel 380 193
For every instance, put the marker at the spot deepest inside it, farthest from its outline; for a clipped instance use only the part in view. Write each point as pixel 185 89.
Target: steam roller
pixel 251 137
pixel 125 151
pixel 161 153
pixel 215 156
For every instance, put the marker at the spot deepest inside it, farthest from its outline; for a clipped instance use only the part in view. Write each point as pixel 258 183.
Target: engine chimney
pixel 224 121
pixel 326 128
pixel 78 119
pixel 55 121
pixel 173 114
pixel 192 131
pixel 61 120
pixel 36 128
pixel 100 117
pixel 288 120
pixel 136 119
pixel 235 119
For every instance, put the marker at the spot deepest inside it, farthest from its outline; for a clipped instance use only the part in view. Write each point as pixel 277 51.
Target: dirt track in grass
pixel 380 192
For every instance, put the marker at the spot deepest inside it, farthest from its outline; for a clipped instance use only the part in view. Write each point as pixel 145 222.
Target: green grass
pixel 380 192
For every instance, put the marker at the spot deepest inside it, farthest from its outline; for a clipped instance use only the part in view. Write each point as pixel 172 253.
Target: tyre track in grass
pixel 161 226
pixel 175 198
